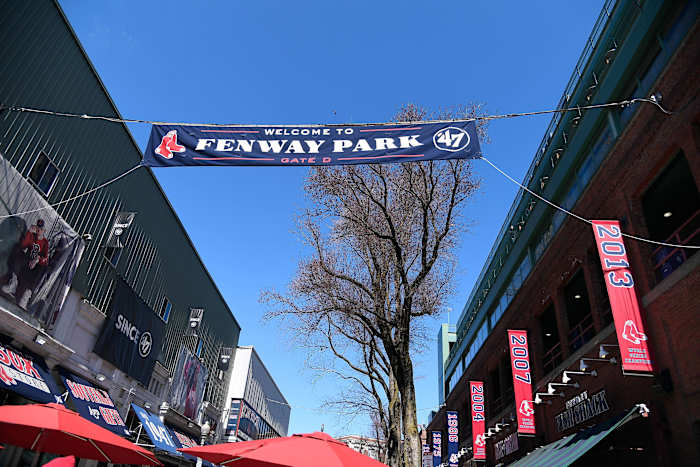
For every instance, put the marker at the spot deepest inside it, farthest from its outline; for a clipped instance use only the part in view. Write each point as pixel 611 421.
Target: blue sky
pixel 325 62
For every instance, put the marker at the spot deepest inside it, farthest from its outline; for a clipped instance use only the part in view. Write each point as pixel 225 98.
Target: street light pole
pixel 204 432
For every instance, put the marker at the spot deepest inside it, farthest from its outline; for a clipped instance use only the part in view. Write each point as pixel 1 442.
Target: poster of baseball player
pixel 189 380
pixel 39 251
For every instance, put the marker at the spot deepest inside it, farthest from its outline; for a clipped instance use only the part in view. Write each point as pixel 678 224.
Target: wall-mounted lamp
pixel 583 366
pixel 551 389
pixel 100 377
pixel 39 339
pixel 566 378
pixel 538 397
pixel 602 353
pixel 610 53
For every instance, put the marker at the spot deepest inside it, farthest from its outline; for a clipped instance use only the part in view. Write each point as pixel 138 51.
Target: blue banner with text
pixel 180 145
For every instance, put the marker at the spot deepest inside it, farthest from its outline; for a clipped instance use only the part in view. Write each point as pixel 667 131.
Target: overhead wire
pixel 652 100
pixel 576 216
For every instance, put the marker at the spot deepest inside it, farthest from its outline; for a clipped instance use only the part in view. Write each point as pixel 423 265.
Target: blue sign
pixel 26 375
pixel 178 145
pixel 132 336
pixel 161 437
pixel 452 438
pixel 437 448
pixel 94 404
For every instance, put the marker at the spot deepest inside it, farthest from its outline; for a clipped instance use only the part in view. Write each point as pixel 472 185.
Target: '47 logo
pixel 451 139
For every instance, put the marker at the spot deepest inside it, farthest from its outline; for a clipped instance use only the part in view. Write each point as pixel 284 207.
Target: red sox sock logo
pixel 480 440
pixel 526 409
pixel 632 334
pixel 168 145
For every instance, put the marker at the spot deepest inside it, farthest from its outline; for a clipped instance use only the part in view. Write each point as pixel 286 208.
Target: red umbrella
pixel 306 450
pixel 61 462
pixel 55 429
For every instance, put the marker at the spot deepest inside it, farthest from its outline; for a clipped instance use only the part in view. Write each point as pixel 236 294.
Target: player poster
pixel 39 251
pixel 189 380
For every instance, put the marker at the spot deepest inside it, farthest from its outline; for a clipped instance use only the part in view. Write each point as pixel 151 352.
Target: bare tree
pixel 382 238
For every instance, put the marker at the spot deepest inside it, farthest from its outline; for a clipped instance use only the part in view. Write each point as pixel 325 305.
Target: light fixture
pixel 643 410
pixel 551 390
pixel 100 377
pixel 548 334
pixel 538 399
pixel 39 339
pixel 602 353
pixel 577 296
pixel 668 214
pixel 656 97
pixel 565 378
pixel 147 405
pixel 611 51
pixel 583 366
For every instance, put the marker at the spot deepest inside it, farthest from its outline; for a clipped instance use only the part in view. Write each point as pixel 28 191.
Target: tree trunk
pixel 412 452
pixel 393 442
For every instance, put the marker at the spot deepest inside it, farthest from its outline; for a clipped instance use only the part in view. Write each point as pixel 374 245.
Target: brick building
pixel 641 167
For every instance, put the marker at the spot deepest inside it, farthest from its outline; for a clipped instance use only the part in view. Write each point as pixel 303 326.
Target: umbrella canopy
pixel 55 429
pixel 61 462
pixel 306 450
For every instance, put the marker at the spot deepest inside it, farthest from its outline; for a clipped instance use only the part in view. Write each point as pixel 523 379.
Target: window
pixel 165 309
pixel 43 173
pixel 200 344
pixel 671 208
pixel 551 347
pixel 578 311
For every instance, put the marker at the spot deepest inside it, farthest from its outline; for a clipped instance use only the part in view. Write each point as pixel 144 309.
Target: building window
pixel 165 309
pixel 578 312
pixel 113 255
pixel 43 173
pixel 551 346
pixel 672 213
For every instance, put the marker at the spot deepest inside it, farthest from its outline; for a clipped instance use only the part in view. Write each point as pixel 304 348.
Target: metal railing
pixel 581 333
pixel 551 358
pixel 667 259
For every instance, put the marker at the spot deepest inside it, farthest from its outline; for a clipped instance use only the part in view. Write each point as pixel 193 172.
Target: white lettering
pixel 384 143
pixel 409 141
pixel 275 145
pixel 339 145
pixel 225 144
pixel 314 145
pixel 203 144
pixel 295 147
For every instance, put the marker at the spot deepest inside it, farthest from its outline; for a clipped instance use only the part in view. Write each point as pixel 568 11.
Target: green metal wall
pixel 44 66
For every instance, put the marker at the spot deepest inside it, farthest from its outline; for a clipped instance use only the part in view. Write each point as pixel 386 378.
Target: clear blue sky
pixel 325 62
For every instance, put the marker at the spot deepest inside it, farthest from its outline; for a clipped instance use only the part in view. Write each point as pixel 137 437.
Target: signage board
pixel 631 335
pixel 522 380
pixel 94 404
pixel 132 335
pixel 178 145
pixel 478 404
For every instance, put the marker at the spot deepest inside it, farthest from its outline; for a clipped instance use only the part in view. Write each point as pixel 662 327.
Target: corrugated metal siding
pixel 43 67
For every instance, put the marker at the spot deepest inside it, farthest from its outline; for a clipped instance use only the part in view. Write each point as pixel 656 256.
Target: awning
pixel 26 374
pixel 94 403
pixel 565 451
pixel 159 434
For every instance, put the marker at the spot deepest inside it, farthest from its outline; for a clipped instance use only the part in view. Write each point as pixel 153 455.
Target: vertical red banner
pixel 522 381
pixel 634 348
pixel 476 394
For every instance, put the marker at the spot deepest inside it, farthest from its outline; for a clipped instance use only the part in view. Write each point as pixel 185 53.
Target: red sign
pixel 476 391
pixel 522 381
pixel 634 349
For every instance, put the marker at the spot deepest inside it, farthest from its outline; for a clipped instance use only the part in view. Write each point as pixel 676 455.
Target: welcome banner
pixel 476 392
pixel 633 341
pixel 185 145
pixel 452 438
pixel 522 381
